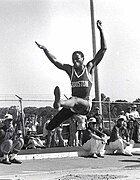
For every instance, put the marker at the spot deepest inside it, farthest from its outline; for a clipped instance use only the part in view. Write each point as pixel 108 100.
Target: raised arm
pixel 51 57
pixel 98 57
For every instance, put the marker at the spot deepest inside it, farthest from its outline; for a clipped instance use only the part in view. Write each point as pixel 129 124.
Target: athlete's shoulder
pixel 68 69
pixel 90 67
pixel 68 66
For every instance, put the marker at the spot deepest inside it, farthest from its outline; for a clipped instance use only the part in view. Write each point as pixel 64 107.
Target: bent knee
pixel 21 141
pixel 8 142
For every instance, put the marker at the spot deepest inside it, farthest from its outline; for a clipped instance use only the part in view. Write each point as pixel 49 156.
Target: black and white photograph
pixel 69 89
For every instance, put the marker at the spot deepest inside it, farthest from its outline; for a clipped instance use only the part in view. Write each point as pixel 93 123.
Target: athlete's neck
pixel 79 70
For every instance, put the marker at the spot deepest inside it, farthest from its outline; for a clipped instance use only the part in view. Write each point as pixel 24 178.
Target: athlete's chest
pixel 83 74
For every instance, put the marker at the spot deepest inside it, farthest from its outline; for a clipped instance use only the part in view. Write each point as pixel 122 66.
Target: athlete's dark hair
pixel 77 52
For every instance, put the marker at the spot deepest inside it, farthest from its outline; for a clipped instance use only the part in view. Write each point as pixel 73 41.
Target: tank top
pixel 81 84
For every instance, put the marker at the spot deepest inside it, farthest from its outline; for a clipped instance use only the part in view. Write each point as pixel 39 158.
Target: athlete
pixel 81 77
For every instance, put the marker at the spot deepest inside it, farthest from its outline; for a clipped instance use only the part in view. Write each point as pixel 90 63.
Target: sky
pixel 64 26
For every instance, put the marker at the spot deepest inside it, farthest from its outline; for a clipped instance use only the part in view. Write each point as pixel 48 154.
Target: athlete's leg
pixel 69 103
pixel 78 105
pixel 61 116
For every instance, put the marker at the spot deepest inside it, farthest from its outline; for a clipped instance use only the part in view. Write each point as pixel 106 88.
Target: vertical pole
pixel 97 91
pixel 21 115
pixel 109 109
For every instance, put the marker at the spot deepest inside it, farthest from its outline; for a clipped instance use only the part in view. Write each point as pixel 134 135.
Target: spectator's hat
pixel 8 117
pixel 92 120
pixel 134 106
pixel 120 118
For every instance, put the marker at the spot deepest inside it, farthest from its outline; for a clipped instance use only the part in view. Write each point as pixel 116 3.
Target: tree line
pixel 109 108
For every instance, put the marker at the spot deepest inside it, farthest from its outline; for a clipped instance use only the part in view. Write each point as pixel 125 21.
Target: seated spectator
pixel 94 141
pixel 10 143
pixel 118 141
pixel 32 141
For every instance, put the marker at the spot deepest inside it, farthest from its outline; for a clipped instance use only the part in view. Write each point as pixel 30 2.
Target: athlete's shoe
pixel 94 155
pixel 15 161
pixel 100 155
pixel 56 103
pixel 6 161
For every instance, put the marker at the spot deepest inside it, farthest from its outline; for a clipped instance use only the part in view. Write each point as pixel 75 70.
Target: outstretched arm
pixel 94 136
pixel 51 57
pixel 98 57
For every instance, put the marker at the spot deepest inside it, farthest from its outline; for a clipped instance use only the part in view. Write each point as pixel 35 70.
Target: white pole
pixel 97 91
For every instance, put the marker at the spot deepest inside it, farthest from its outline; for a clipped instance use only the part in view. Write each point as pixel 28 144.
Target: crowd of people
pixel 91 135
pixel 123 136
pixel 87 132
pixel 131 122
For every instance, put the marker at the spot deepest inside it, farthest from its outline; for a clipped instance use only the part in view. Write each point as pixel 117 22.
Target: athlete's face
pixel 78 60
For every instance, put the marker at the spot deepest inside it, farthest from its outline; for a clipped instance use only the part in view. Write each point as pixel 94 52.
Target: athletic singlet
pixel 81 84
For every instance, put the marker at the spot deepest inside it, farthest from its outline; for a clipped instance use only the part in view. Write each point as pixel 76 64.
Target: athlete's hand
pixel 99 24
pixel 40 46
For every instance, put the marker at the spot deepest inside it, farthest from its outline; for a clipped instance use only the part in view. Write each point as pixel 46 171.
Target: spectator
pixel 124 132
pixel 81 126
pixel 32 123
pixel 10 143
pixel 122 114
pixel 50 140
pixel 117 143
pixel 32 141
pixel 130 120
pixel 135 114
pixel 127 114
pixel 94 141
pixel 54 137
pixel 134 111
pixel 99 119
pixel 59 136
pixel 73 128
